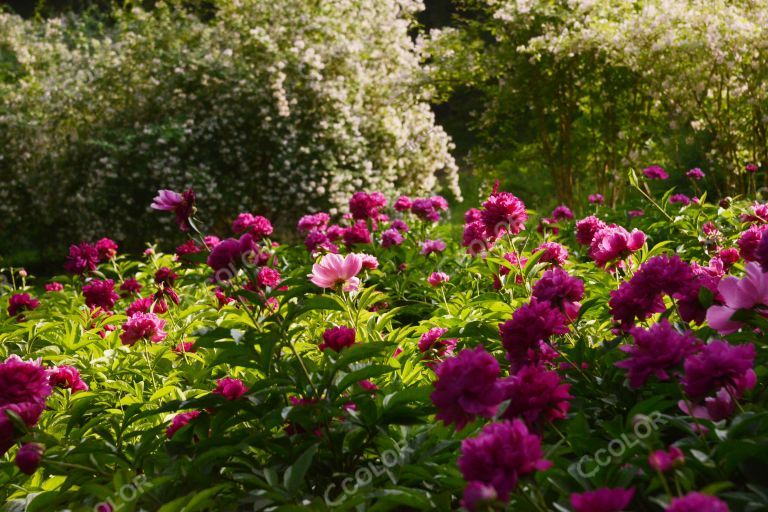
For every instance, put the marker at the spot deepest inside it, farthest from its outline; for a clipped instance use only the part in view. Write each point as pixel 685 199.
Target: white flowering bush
pixel 274 107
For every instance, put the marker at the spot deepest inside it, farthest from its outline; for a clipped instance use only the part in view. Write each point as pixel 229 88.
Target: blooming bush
pixel 607 363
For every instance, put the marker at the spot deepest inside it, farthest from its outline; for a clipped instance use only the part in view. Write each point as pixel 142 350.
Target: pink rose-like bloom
pixel 334 270
pixel 142 305
pixel 318 221
pixel 553 253
pixel 24 387
pixel 478 496
pixel 759 214
pixel 596 198
pixel 82 258
pixel 710 229
pixel 751 168
pixel 561 290
pixel 28 458
pixel 185 346
pixel 432 246
pixel 665 460
pixel 655 351
pixel 180 421
pixel 500 455
pixel 182 205
pixel 258 226
pixel 100 294
pixel 130 286
pixel 391 237
pixel 143 326
pixel 358 233
pixel 697 502
pixel 655 172
pixel 530 324
pixel 230 255
pixel 268 277
pixel 438 278
pixel 337 338
pixel 363 205
pixel 749 242
pixel 369 262
pixel 107 248
pixel 679 199
pixel 187 248
pixel 614 242
pixel 720 365
pixel 473 215
pixel 586 229
pixel 399 225
pixel 503 212
pixel 467 386
pixel 536 394
pixel 562 212
pixel 602 500
pixel 425 209
pixel 230 388
pixel 746 293
pixel 695 174
pixel 318 241
pixel 402 204
pixel 474 238
pixel 21 302
pixel 636 213
pixel 67 377
pixel 54 287
pixel 431 341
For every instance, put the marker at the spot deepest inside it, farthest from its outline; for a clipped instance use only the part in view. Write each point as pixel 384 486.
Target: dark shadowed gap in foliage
pixel 49 8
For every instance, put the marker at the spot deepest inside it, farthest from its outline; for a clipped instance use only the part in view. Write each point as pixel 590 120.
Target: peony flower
pixel 403 204
pixel 143 305
pixel 82 258
pixel 697 502
pixel 751 168
pixel 425 209
pixel 230 388
pixel 187 249
pixel 257 226
pixel 553 253
pixel 636 213
pixel 586 229
pixel 720 365
pixel 268 277
pixel 317 241
pixel 337 338
pixel 431 342
pixel 749 242
pixel 107 248
pixel 182 205
pixel 334 270
pixel 561 290
pixel 356 234
pixel 21 302
pixel 679 199
pixel 613 243
pixel 28 458
pixel 143 326
pixel 596 198
pixel 54 287
pixel 391 237
pixel 503 212
pixel 230 255
pixel 369 262
pixel 531 324
pixel 467 387
pixel 473 215
pixel 180 421
pixel 562 212
pixel 602 500
pixel 478 496
pixel 655 172
pixel 24 387
pixel 363 205
pixel 665 460
pixel 130 286
pixel 500 455
pixel 695 174
pixel 655 351
pixel 746 293
pixel 100 294
pixel 432 246
pixel 536 394
pixel 437 278
pixel 318 221
pixel 185 346
pixel 67 377
pixel 474 238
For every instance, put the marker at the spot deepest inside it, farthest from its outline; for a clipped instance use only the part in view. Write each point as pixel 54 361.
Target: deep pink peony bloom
pixel 562 212
pixel 182 205
pixel 143 305
pixel 561 290
pixel 185 346
pixel 54 287
pixel 720 365
pixel 655 351
pixel 761 253
pixel 333 270
pixel 697 502
pixel 28 458
pixel 665 460
pixel 586 229
pixel 268 277
pixel 636 213
pixel 749 292
pixel 467 386
pixel 230 388
pixel 187 249
pixel 531 324
pixel 166 277
pixel 596 198
pixel 259 227
pixel 474 238
pixel 318 221
pixel 230 255
pixel 24 387
pixel 602 500
pixel 399 225
pixel 432 246
pixel 613 243
pixel 751 168
pixel 679 199
pixel 473 215
pixel 391 237
pixel 338 338
pixel 363 205
pixel 67 377
pixel 431 341
pixel 180 421
pixel 502 213
pixel 82 258
pixel 317 241
pixel 425 209
pixel 655 172
pixel 695 174
pixel 759 214
pixel 100 294
pixel 500 455
pixel 143 326
pixel 536 394
pixel 21 302
pixel 403 204
pixel 107 248
pixel 130 286
pixel 358 233
pixel 478 496
pixel 438 278
pixel 553 253
pixel 749 242
pixel 369 262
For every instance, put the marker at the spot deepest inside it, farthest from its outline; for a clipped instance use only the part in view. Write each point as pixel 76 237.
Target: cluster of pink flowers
pixel 24 388
pixel 611 244
pixel 100 294
pixel 502 213
pixel 84 257
pixel 427 209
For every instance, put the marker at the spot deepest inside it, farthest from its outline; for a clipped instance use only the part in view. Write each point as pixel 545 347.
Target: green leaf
pixel 294 475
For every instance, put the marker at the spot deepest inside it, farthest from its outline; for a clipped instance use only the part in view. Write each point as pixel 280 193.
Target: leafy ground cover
pixel 532 362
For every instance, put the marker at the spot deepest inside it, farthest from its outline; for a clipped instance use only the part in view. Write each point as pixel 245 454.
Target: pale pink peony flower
pixel 334 269
pixel 744 293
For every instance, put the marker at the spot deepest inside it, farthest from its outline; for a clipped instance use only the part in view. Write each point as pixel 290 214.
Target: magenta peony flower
pixel 655 351
pixel 695 174
pixel 425 209
pixel 187 249
pixel 432 246
pixel 356 234
pixel 602 500
pixel 182 205
pixel 403 204
pixel 100 294
pixel 500 455
pixel 364 206
pixel 391 237
pixel 337 338
pixel 82 258
pixel 474 238
pixel 369 262
pixel 259 227
pixel 530 324
pixel 467 387
pixel 679 199
pixel 697 502
pixel 67 377
pixel 24 387
pixel 536 394
pixel 502 213
pixel 720 365
pixel 143 305
pixel 478 496
pixel 746 293
pixel 749 242
pixel 655 172
pixel 107 248
pixel 613 243
pixel 268 277
pixel 636 213
pixel 437 278
pixel 561 290
pixel 586 229
pixel 143 326
pixel 230 388
pixel 54 287
pixel 596 198
pixel 334 270
pixel 185 346
pixel 130 286
pixel 180 421
pixel 317 241
pixel 21 302
pixel 473 215
pixel 562 212
pixel 318 221
pixel 431 341
pixel 230 255
pixel 751 168
pixel 399 225
pixel 28 458
pixel 553 253
pixel 665 460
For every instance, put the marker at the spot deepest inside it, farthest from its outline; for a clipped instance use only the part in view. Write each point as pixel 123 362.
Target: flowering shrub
pixel 606 363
